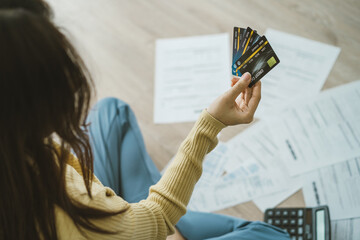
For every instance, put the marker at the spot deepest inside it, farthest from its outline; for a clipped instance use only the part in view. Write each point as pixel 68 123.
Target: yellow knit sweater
pixel 156 216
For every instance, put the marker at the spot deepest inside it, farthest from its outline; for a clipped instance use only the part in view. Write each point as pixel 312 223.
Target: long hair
pixel 39 7
pixel 45 89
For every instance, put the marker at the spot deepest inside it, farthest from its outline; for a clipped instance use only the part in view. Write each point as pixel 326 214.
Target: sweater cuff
pixel 213 125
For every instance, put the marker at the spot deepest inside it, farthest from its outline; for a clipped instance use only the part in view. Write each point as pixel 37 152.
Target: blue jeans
pixel 122 163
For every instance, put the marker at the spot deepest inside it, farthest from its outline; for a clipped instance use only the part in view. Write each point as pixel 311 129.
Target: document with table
pixel 320 148
pixel 336 186
pixel 320 131
pixel 247 167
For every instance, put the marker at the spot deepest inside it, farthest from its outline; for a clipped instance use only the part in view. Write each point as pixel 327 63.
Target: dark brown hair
pixel 38 7
pixel 45 89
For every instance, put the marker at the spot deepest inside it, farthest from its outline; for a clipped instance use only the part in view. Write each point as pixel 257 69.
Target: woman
pixel 48 193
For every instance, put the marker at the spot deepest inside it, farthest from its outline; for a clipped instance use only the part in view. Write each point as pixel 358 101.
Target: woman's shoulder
pixel 102 197
pixel 66 228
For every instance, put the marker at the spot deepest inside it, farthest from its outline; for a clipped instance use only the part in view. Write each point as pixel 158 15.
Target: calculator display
pixel 320 225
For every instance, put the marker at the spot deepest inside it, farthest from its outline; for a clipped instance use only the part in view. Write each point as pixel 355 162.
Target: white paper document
pixel 203 198
pixel 348 229
pixel 304 66
pixel 247 168
pixel 336 186
pixel 314 144
pixel 274 199
pixel 190 73
pixel 302 125
pixel 320 131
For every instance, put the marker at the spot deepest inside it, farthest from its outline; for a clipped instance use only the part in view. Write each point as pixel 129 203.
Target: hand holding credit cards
pixel 252 53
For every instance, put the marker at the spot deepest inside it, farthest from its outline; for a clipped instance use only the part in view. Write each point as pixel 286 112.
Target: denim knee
pixel 268 230
pixel 110 102
pixel 107 110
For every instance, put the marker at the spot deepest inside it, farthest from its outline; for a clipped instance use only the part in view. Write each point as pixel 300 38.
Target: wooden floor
pixel 117 40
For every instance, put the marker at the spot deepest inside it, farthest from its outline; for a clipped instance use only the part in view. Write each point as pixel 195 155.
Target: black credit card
pixel 246 42
pixel 237 38
pixel 254 38
pixel 258 60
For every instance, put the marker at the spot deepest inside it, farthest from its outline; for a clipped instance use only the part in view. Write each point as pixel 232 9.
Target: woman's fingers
pixel 234 81
pixel 240 86
pixel 248 95
pixel 245 94
pixel 240 95
pixel 255 98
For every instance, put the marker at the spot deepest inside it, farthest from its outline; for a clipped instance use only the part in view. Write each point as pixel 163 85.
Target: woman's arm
pixel 156 216
pixel 172 193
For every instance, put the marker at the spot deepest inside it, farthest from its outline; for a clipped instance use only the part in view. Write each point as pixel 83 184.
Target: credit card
pixel 255 37
pixel 237 37
pixel 258 61
pixel 245 43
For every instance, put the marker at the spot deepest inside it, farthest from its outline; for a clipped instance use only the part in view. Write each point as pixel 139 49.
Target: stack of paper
pixel 317 140
pixel 191 72
pixel 307 140
pixel 255 164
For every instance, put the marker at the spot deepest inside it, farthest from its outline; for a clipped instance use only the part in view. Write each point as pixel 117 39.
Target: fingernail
pixel 247 76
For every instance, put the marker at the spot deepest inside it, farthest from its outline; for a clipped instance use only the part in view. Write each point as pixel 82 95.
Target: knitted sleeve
pixel 156 216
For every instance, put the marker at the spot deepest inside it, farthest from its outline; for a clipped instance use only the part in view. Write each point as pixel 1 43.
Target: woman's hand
pixel 238 104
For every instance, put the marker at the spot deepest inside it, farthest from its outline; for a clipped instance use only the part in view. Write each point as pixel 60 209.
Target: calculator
pixel 301 223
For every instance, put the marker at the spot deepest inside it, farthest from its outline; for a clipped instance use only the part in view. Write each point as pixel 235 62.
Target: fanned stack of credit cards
pixel 252 53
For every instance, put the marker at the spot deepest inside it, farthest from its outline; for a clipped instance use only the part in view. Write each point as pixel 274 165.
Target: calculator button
pixel 292 222
pixel 300 213
pixel 293 238
pixel 293 213
pixel 270 221
pixel 309 236
pixel 285 213
pixel 300 230
pixel 300 238
pixel 277 221
pixel 278 213
pixel 270 213
pixel 285 222
pixel 292 231
pixel 300 221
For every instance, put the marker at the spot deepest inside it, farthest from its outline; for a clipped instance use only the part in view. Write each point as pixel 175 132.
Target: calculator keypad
pixel 292 220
